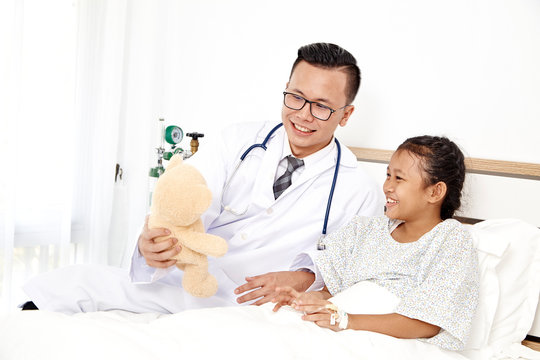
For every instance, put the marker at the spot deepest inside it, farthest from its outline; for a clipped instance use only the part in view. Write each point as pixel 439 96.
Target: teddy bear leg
pixel 197 280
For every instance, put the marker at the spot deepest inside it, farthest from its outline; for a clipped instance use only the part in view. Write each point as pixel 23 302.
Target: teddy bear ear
pixel 175 161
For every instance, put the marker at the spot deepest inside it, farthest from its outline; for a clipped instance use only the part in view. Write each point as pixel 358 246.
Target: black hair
pixel 331 56
pixel 441 160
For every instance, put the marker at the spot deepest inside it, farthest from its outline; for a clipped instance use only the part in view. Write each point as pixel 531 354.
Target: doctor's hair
pixel 441 160
pixel 331 56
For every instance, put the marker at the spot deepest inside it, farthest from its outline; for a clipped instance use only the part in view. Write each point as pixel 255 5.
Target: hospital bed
pixel 506 325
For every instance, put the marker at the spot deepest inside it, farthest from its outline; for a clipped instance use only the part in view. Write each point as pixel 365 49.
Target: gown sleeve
pixel 448 295
pixel 333 262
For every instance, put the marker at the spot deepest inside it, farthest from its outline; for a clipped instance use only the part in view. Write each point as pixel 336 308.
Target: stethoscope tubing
pixel 261 145
pixel 320 244
pixel 332 188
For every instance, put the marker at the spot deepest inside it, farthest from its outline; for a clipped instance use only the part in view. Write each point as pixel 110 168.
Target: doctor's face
pixel 306 133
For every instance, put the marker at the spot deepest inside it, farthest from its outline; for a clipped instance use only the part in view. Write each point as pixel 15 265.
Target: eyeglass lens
pixel 297 102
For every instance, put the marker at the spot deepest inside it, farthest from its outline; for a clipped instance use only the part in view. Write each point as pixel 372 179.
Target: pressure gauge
pixel 173 134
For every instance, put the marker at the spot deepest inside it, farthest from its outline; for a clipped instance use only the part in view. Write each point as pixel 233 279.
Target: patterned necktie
pixel 284 181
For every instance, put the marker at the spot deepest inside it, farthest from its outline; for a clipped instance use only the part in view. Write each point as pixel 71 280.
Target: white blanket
pixel 216 333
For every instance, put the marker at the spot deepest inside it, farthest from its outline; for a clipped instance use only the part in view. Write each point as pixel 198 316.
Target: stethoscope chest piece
pixel 320 243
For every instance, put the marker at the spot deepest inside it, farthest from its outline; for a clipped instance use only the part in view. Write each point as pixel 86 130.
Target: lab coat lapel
pixel 263 188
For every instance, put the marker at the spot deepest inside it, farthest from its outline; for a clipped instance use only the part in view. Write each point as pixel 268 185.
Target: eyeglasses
pixel 318 110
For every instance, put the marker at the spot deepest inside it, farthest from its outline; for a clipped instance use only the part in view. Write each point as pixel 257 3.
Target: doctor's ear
pixel 347 112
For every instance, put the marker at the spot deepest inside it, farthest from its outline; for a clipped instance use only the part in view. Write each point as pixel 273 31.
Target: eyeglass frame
pixel 332 111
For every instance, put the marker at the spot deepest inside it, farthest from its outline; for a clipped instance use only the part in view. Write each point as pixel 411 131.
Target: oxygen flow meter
pixel 173 135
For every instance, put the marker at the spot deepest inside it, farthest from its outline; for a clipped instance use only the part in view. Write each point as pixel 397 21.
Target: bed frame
pixel 519 170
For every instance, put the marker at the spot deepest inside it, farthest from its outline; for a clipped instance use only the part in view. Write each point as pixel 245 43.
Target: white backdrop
pixel 467 69
pixel 92 87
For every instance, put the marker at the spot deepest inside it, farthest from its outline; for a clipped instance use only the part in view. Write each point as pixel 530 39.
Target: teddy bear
pixel 179 199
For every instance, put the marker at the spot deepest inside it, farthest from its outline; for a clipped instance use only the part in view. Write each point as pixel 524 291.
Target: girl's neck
pixel 411 231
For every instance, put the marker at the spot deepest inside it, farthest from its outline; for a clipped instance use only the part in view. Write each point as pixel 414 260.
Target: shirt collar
pixel 310 159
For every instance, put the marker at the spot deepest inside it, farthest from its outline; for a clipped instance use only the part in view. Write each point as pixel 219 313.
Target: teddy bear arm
pixel 207 244
pixel 189 256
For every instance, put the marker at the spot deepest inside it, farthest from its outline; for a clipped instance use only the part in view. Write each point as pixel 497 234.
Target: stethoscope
pixel 320 242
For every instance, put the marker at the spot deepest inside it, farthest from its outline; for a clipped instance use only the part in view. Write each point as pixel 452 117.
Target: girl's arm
pixel 314 305
pixel 393 324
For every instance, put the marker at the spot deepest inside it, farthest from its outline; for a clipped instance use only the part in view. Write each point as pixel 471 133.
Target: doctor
pixel 266 231
pixel 266 222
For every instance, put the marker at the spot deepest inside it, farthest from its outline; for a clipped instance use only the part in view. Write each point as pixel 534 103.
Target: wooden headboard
pixel 519 170
pixel 474 165
pixel 509 169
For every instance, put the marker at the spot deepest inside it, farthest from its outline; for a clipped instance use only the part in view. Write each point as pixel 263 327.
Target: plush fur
pixel 180 197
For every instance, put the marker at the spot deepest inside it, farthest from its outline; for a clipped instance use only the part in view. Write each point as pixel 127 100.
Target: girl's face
pixel 405 190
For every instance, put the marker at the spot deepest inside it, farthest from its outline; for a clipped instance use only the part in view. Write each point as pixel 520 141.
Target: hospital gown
pixel 436 277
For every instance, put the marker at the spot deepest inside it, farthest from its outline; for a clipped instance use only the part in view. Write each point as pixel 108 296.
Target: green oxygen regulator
pixel 173 135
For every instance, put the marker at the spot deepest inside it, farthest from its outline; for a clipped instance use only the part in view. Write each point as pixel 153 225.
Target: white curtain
pixel 146 81
pixel 70 110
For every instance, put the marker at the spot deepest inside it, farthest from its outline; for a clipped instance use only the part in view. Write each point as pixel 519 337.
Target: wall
pixel 466 69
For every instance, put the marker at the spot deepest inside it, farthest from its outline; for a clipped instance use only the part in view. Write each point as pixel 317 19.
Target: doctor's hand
pixel 288 296
pixel 263 287
pixel 158 254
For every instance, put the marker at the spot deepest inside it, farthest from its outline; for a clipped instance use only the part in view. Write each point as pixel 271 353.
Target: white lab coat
pixel 268 237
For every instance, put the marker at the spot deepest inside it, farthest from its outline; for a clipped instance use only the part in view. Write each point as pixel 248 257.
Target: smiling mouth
pixel 391 202
pixel 302 129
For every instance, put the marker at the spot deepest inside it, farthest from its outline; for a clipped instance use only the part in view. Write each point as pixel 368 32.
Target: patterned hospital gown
pixel 436 277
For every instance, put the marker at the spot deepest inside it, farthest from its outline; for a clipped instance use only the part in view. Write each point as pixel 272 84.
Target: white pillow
pixel 519 281
pixel 490 252
pixel 366 297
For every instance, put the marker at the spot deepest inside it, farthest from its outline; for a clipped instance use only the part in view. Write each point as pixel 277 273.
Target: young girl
pixel 416 251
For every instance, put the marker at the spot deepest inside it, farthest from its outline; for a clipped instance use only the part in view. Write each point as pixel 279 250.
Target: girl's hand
pixel 285 296
pixel 321 312
pixel 288 296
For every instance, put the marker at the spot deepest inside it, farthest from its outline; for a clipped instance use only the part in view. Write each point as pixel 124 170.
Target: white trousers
pixel 87 288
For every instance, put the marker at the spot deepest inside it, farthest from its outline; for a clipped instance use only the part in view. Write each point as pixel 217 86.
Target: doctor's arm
pixel 263 287
pixel 303 277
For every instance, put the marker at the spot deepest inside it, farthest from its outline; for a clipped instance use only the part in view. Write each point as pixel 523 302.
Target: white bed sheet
pixel 215 333
pixel 251 332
